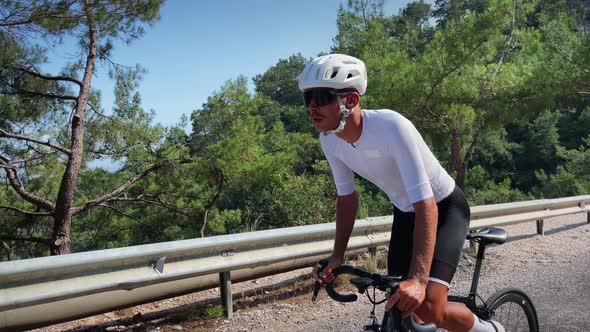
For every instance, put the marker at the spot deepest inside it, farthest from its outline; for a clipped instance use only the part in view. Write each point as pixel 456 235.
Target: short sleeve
pixel 406 153
pixel 343 176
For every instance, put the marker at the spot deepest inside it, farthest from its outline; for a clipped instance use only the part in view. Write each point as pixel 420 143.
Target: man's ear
pixel 353 99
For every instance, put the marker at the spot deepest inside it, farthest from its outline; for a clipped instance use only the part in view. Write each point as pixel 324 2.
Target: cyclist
pixel 431 214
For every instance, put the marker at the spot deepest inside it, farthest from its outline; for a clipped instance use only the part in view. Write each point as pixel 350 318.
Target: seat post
pixel 477 270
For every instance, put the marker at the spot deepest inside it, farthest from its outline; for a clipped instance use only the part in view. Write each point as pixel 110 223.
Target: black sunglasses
pixel 323 96
pixel 320 97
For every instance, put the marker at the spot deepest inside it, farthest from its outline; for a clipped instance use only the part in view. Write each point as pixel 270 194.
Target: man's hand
pixel 408 297
pixel 326 276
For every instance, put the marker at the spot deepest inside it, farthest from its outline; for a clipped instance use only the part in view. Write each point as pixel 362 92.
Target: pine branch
pixel 44 241
pixel 47 77
pixel 562 53
pixel 22 17
pixel 121 213
pixel 452 70
pixel 487 90
pixel 39 156
pixel 156 201
pixel 99 113
pixel 5 23
pixel 113 194
pixel 45 95
pixel 27 213
pixel 21 190
pixel 4 133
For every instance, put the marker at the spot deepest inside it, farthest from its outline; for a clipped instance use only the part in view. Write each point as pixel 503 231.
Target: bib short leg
pixel 453 225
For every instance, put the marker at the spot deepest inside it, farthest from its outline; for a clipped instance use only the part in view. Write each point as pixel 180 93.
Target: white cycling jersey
pixel 392 154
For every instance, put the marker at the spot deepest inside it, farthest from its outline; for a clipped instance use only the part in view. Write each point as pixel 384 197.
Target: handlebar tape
pixel 411 325
pixel 344 270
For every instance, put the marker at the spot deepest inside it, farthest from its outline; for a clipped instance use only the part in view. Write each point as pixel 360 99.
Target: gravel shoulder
pixel 552 269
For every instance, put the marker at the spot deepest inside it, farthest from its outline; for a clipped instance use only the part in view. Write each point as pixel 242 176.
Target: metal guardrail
pixel 41 291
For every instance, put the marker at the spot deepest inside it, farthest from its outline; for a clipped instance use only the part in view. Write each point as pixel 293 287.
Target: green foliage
pixel 225 221
pixel 447 10
pixel 543 137
pixel 196 312
pixel 279 82
pixel 571 178
pixel 258 175
pixel 496 154
pixel 481 190
pixel 573 127
pixel 301 200
pixel 360 28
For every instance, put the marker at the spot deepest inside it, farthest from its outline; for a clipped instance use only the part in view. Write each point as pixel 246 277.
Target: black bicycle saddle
pixel 489 235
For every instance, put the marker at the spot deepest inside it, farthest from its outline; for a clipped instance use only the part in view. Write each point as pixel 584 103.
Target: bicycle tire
pixel 513 309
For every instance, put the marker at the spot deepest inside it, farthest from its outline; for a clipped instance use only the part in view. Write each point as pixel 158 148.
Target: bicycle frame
pixel 471 299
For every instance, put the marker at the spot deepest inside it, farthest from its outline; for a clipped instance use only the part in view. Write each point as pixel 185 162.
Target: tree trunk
pixel 205 220
pixel 220 179
pixel 65 196
pixel 457 159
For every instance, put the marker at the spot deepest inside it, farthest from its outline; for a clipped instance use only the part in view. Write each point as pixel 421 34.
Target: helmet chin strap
pixel 345 113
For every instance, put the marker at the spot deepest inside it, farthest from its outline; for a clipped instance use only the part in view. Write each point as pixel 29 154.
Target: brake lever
pixel 317 286
pixel 316 291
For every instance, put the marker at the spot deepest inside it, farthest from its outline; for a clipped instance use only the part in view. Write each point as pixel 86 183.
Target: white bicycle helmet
pixel 336 71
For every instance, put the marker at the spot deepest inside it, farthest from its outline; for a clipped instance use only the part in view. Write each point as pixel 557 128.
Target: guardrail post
pixel 540 230
pixel 373 253
pixel 582 205
pixel 226 295
pixel 473 248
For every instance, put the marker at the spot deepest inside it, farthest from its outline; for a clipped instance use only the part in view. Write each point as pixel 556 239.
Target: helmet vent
pixel 352 74
pixel 334 73
pixel 348 62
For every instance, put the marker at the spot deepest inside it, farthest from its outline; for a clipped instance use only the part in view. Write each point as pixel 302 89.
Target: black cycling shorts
pixel 453 225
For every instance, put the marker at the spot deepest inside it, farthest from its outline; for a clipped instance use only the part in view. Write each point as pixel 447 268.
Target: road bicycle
pixel 510 307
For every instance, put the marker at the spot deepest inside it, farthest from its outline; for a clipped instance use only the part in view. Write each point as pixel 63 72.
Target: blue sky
pixel 198 45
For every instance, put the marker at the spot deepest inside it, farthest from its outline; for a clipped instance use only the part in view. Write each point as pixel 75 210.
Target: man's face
pixel 323 109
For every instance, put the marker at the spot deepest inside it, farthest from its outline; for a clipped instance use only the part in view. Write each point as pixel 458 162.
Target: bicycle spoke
pixel 512 316
pixel 519 320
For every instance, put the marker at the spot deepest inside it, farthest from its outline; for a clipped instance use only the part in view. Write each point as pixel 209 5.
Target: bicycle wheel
pixel 513 309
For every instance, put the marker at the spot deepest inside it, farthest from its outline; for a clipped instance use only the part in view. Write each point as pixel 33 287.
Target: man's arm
pixel 424 239
pixel 346 207
pixel 412 291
